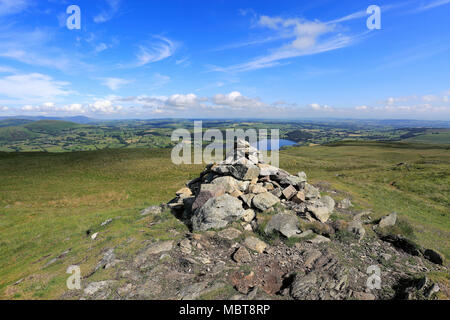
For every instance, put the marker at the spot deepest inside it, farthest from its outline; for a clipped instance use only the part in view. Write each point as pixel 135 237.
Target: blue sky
pixel 216 59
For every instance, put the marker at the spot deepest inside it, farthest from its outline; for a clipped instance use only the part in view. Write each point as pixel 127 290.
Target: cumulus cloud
pixel 236 100
pixel 4 108
pixel 104 106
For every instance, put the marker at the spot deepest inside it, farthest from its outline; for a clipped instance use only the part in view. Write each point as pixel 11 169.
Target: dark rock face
pixel 433 256
pixel 402 243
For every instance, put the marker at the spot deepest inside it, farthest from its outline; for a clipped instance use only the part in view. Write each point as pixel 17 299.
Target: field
pixel 18 135
pixel 48 201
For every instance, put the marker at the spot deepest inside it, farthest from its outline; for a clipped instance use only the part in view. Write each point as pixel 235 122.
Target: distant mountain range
pixel 77 119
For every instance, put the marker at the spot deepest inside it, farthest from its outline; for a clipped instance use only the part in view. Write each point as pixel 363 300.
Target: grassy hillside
pixel 49 201
pixel 9 134
pixel 13 122
pixel 51 126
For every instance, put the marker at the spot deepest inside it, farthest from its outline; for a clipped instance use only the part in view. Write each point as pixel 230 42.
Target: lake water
pixel 266 144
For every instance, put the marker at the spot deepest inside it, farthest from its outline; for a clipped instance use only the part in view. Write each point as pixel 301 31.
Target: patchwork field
pixel 49 202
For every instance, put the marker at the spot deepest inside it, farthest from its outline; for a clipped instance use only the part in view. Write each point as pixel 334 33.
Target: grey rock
pixel 229 184
pixel 94 287
pixel 242 255
pixel 229 234
pixel 106 222
pixel 357 228
pixel 244 172
pixel 292 180
pixel 345 204
pixel 388 221
pixel 217 213
pixel 302 285
pixel 285 224
pixel 264 201
pixel 432 290
pixel 208 191
pixel 319 239
pixel 302 175
pixel 151 210
pixel 311 192
pixel 319 211
pixel 289 192
pixel 328 202
pixel 255 244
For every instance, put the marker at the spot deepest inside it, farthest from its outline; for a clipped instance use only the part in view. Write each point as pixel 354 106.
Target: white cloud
pixel 108 13
pixel 4 108
pixel 318 107
pixel 32 86
pixel 8 7
pixel 183 101
pixel 432 5
pixel 115 83
pixel 236 100
pixel 155 52
pixel 306 38
pixel 104 106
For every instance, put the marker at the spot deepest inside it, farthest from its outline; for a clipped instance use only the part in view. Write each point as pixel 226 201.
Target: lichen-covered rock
pixel 217 213
pixel 264 201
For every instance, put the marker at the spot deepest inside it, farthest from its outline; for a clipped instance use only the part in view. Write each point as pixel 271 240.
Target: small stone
pixel 302 175
pixel 94 236
pixel 185 246
pixel 242 255
pixel 311 192
pixel 255 244
pixel 106 222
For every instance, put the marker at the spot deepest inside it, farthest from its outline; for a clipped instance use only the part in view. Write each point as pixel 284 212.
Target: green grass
pixel 48 202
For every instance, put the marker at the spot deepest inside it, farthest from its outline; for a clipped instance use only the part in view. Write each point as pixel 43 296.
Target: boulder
pixel 311 192
pixel 289 192
pixel 255 244
pixel 388 221
pixel 319 239
pixel 277 192
pixel 357 228
pixel 302 175
pixel 257 189
pixel 247 199
pixel 244 171
pixel 264 201
pixel 242 255
pixel 285 224
pixel 249 215
pixel 328 202
pixel 229 234
pixel 267 170
pixel 319 211
pixel 291 180
pixel 207 191
pixel 217 213
pixel 302 285
pixel 345 204
pixel 229 184
pixel 299 197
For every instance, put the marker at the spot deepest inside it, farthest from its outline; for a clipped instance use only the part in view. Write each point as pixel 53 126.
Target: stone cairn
pixel 243 185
